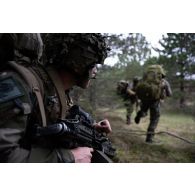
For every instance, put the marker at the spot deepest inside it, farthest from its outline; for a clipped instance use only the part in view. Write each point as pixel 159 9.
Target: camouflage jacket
pixel 18 113
pixel 129 94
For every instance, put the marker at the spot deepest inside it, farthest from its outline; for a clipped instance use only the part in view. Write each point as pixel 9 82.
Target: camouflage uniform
pixel 19 108
pixel 17 116
pixel 129 97
pixel 154 107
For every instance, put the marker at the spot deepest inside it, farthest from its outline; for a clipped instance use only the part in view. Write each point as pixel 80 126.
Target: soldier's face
pixel 69 80
pixel 93 72
pixel 85 81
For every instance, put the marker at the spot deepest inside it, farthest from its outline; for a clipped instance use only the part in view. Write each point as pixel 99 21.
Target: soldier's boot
pixel 138 117
pixel 150 136
pixel 128 120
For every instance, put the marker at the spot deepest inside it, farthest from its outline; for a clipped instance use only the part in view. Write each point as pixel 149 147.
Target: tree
pixel 179 49
pixel 128 47
pixel 133 69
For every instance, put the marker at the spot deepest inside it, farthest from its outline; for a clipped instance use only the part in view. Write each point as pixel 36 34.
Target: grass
pixel 130 140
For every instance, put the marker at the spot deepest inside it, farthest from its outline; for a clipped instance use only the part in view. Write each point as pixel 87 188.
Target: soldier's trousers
pixel 130 108
pixel 154 107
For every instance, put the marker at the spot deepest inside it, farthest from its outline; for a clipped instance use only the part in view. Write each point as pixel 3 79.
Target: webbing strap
pixel 34 85
pixel 60 90
pixel 41 105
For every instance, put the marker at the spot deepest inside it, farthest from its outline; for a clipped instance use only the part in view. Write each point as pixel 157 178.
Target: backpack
pixel 16 45
pixel 27 48
pixel 150 87
pixel 12 45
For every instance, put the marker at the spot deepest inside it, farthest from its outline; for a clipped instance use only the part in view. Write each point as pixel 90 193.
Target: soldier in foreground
pixel 37 95
pixel 151 90
pixel 127 91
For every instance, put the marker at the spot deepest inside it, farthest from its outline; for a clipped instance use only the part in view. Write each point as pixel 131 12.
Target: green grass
pixel 131 146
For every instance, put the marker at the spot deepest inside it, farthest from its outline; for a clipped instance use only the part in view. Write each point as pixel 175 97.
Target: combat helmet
pixel 136 79
pixel 17 45
pixel 158 68
pixel 76 52
pixel 122 84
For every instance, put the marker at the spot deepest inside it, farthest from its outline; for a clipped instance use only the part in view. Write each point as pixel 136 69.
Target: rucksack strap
pixel 60 90
pixel 33 83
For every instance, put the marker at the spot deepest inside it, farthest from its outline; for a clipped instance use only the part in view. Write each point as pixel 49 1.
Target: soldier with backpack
pixel 33 93
pixel 151 90
pixel 127 91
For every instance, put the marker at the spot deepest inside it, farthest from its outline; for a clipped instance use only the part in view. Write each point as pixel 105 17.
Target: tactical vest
pixel 37 88
pixel 26 49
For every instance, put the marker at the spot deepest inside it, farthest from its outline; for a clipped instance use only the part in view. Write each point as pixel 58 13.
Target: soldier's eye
pixel 92 66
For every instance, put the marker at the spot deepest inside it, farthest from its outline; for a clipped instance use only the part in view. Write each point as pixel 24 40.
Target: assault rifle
pixel 77 131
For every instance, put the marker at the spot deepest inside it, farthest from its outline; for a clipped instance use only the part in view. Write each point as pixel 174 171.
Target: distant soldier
pixel 151 90
pixel 127 91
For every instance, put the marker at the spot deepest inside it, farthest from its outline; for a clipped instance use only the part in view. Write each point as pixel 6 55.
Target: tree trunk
pixel 182 88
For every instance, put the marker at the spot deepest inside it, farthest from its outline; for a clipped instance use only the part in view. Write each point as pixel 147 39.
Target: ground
pixel 130 140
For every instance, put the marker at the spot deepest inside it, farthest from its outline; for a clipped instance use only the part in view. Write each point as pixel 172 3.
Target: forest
pixel 132 54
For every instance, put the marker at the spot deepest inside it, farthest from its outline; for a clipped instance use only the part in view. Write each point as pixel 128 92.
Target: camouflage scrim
pixel 156 68
pixel 75 51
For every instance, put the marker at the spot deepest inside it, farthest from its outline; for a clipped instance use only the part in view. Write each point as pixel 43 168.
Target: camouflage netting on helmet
pixel 75 51
pixel 157 68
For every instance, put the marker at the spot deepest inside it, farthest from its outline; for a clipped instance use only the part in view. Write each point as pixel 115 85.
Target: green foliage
pixel 131 47
pixel 151 61
pixel 178 57
pixel 180 48
pixel 133 69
